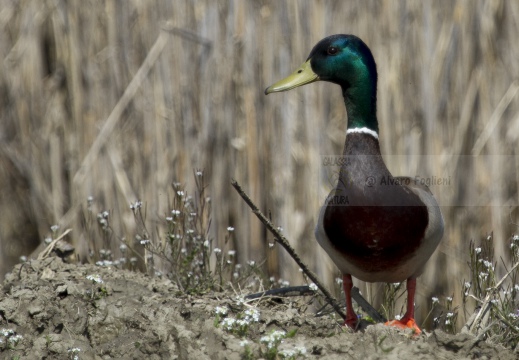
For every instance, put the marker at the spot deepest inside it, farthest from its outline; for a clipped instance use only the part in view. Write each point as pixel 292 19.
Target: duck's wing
pixel 435 227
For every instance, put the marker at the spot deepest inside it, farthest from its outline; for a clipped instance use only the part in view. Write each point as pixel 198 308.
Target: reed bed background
pixel 119 99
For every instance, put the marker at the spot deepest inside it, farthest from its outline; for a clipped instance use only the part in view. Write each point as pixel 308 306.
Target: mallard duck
pixel 375 227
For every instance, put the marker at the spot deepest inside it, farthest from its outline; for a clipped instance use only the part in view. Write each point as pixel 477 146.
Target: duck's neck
pixel 362 116
pixel 360 99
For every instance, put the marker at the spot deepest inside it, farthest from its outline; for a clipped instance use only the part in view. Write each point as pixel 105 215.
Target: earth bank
pixel 59 313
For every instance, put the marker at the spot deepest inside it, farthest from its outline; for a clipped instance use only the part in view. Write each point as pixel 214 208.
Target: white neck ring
pixel 363 130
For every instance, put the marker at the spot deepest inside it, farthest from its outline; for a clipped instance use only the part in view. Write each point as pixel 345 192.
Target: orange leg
pixel 351 317
pixel 407 322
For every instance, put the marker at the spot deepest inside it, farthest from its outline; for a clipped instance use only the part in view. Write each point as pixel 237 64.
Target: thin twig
pixel 283 292
pixel 45 253
pixel 284 242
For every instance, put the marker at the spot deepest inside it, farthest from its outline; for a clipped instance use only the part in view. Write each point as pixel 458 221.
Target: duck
pixel 374 226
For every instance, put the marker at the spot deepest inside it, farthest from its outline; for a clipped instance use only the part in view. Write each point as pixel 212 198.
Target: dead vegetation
pixel 118 100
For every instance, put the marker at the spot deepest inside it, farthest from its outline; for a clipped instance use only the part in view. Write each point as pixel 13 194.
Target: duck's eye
pixel 332 50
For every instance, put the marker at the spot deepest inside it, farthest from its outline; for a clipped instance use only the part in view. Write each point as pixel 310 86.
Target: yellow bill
pixel 302 76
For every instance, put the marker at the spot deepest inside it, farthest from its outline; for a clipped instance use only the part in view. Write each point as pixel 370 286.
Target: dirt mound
pixel 50 309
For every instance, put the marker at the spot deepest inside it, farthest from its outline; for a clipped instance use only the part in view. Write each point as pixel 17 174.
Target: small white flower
pixel 434 300
pixel 447 322
pixel 206 243
pixel 251 263
pixel 54 228
pixel 23 258
pixel 271 245
pixel 494 301
pixel 175 212
pixel 47 240
pixel 313 287
pixel 280 229
pixel 255 314
pixel 516 287
pixel 123 248
pixel 136 205
pixel 273 339
pixel 488 264
pixel 483 276
pixel 449 299
pixel 515 238
pixel 7 332
pixel 338 281
pixel 230 229
pixel 398 317
pixel 287 353
pixel 15 339
pixel 231 252
pixel 190 231
pixel 221 310
pixel 300 349
pixel 180 193
pixel 467 285
pixel 242 322
pixel 285 283
pixel 145 242
pixel 169 218
pixel 95 278
pixel 449 315
pixel 228 323
pixel 240 300
pixel 477 250
pixel 199 173
pixel 217 251
pixel 244 343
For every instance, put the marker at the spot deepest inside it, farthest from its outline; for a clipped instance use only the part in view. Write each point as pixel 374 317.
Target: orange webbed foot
pixel 405 324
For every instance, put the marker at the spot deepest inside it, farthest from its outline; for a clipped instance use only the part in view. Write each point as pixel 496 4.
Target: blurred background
pixel 117 100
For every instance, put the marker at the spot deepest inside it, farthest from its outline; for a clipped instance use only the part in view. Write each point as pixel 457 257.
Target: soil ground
pixel 55 308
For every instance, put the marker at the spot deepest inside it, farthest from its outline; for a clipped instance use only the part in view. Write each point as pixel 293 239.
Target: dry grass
pixel 97 100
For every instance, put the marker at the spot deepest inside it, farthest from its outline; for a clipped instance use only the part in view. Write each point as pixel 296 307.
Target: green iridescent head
pixel 347 61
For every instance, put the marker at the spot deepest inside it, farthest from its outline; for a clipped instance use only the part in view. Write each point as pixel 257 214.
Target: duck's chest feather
pixel 380 223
